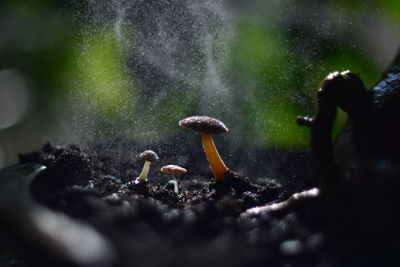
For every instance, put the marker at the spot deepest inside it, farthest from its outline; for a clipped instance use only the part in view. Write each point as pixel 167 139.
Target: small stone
pixel 113 199
pixel 315 242
pixel 291 247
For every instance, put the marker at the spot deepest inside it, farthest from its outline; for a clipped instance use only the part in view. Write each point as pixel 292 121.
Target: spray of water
pixel 143 65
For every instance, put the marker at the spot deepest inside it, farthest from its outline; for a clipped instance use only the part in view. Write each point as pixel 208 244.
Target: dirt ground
pixel 150 225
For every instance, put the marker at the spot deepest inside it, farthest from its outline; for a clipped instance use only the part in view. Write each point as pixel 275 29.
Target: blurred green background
pixel 66 71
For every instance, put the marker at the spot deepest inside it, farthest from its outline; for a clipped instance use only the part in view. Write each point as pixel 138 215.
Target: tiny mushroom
pixel 207 127
pixel 173 170
pixel 149 156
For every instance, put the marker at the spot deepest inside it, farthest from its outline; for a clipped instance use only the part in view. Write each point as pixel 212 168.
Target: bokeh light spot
pixel 14 98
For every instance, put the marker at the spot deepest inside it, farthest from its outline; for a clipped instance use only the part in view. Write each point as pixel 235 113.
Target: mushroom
pixel 173 170
pixel 207 127
pixel 149 156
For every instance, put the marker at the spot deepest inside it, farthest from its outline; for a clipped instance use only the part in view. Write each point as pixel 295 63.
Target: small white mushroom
pixel 149 156
pixel 173 170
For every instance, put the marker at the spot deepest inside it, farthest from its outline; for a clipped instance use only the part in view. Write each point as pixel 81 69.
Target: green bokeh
pixel 98 66
pixel 262 59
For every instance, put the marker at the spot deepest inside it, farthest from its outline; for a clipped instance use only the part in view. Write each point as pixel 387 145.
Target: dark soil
pixel 204 224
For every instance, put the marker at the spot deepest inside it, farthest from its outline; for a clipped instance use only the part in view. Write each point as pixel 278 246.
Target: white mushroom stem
pixel 218 167
pixel 145 172
pixel 175 182
pixel 176 190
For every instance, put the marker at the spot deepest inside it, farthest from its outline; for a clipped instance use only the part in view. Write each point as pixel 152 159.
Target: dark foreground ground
pixel 199 226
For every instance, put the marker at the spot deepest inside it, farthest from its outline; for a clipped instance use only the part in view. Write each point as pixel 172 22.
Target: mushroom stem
pixel 175 183
pixel 218 168
pixel 145 171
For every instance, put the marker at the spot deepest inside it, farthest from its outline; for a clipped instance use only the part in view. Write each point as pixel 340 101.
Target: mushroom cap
pixel 149 155
pixel 173 169
pixel 203 124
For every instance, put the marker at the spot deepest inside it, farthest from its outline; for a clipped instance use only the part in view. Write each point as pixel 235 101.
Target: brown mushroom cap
pixel 203 124
pixel 173 169
pixel 149 155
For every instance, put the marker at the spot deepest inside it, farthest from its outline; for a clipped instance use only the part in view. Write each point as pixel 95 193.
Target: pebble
pixel 291 247
pixel 113 199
